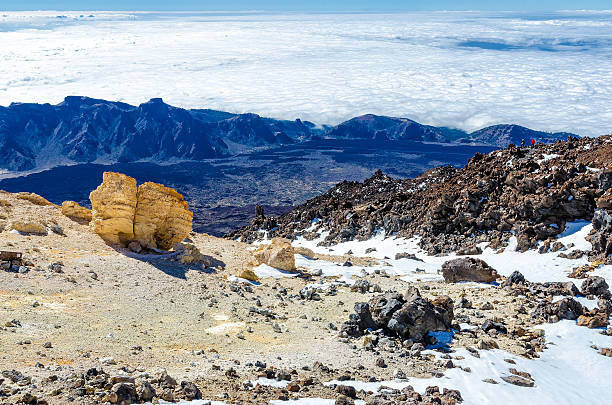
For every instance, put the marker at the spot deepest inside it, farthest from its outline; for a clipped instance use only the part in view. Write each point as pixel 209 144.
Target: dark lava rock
pixel 597 286
pixel 415 319
pixel 190 391
pixel 383 306
pixel 498 326
pixel 515 278
pixel 411 318
pixel 468 269
pixel 567 308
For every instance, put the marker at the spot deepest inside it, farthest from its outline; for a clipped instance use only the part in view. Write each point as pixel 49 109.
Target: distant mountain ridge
pixel 84 130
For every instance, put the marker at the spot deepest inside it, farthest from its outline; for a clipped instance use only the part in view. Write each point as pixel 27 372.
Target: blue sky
pixel 306 5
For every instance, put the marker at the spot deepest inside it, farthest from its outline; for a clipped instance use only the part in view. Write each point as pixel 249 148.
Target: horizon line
pixel 265 11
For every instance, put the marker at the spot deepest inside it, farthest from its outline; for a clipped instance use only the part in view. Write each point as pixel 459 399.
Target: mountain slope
pixel 85 130
pixel 531 193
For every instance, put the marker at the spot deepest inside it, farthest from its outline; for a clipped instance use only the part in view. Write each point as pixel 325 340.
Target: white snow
pixel 547 157
pixel 265 271
pixel 569 371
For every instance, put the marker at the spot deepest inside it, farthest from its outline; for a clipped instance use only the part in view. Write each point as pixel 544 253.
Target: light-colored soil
pixel 148 312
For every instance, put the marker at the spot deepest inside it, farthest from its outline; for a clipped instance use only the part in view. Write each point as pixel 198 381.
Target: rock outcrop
pixel 29 226
pixel 113 206
pixel 34 198
pixel 279 254
pixel 73 210
pixel 601 236
pixel 162 217
pixel 527 193
pixel 407 317
pixel 152 215
pixel 468 269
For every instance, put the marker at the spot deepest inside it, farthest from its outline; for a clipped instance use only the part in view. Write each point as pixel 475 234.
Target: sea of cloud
pixel 464 70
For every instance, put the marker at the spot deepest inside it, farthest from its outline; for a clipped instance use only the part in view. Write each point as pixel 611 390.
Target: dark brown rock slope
pixel 529 192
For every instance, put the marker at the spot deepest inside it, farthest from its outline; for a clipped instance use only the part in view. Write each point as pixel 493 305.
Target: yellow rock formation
pixel 34 198
pixel 279 254
pixel 74 210
pixel 113 206
pixel 29 226
pixel 162 216
pixel 151 214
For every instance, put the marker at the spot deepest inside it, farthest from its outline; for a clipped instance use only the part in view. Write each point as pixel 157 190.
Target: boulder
pixel 556 288
pixel 601 235
pixel 162 217
pixel 416 318
pixel 515 278
pixel 278 254
pixel 248 274
pixel 33 198
pixel 29 226
pixel 383 306
pixel 468 269
pixel 153 215
pixel 595 285
pixel 113 206
pixel 73 210
pixel 411 318
pixel 593 320
pixel 567 308
pixel 186 253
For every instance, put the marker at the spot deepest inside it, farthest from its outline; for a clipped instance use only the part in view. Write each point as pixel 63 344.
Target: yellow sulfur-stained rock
pixel 248 274
pixel 29 227
pixel 278 254
pixel 33 198
pixel 151 215
pixel 113 206
pixel 162 216
pixel 73 210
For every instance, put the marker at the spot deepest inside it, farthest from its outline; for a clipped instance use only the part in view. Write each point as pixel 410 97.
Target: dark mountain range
pixel 85 130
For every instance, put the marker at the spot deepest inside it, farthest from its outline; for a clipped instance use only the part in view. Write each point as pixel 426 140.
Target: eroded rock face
pixel 113 206
pixel 468 269
pixel 162 217
pixel 278 254
pixel 153 215
pixel 73 210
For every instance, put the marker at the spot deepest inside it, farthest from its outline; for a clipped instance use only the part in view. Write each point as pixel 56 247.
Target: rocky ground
pixel 528 192
pixel 84 322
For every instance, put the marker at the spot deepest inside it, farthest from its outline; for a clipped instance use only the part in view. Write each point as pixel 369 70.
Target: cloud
pixel 465 70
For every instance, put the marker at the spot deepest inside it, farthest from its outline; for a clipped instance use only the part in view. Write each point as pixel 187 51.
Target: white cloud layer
pixel 466 70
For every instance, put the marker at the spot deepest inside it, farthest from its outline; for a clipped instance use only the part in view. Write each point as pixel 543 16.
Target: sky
pixel 305 6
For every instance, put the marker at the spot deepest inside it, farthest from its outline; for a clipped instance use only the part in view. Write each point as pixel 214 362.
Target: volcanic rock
pixel 113 206
pixel 73 210
pixel 468 269
pixel 162 217
pixel 279 254
pixel 29 227
pixel 567 308
pixel 415 319
pixel 153 215
pixel 595 285
pixel 408 319
pixel 33 198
